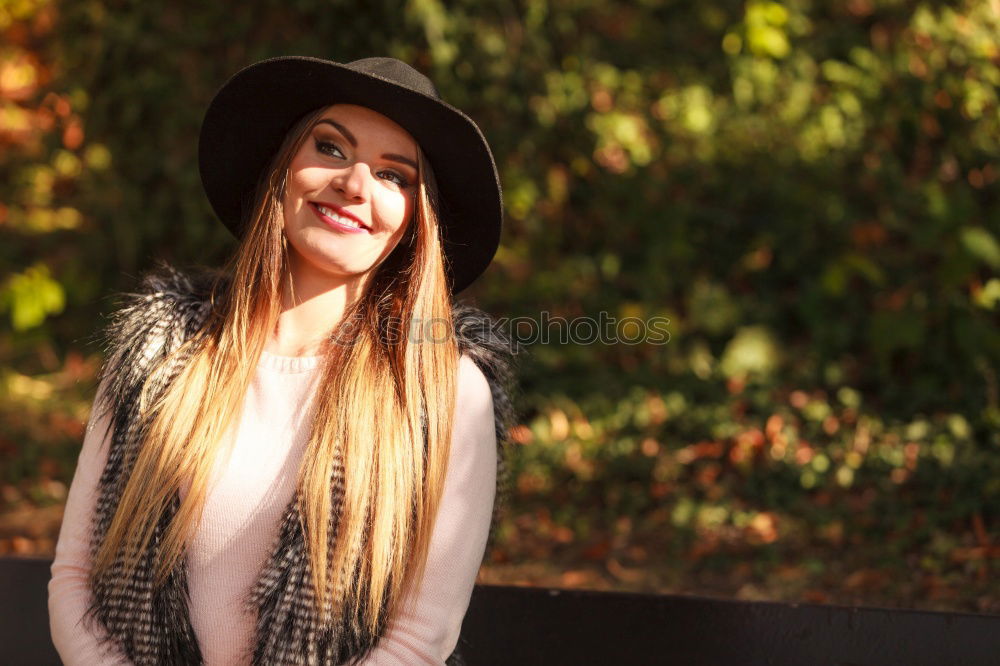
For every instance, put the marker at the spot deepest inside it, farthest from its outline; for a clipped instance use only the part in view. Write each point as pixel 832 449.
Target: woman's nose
pixel 353 183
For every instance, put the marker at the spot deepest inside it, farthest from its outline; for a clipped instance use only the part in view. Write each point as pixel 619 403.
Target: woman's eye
pixel 394 177
pixel 328 148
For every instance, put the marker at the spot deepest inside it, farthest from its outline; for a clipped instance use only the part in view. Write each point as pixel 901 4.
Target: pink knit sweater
pixel 243 509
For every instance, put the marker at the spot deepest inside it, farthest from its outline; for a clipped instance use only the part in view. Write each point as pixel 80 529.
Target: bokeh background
pixel 807 190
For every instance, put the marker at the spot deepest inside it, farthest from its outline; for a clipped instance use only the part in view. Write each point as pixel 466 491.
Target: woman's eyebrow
pixel 343 130
pixel 399 158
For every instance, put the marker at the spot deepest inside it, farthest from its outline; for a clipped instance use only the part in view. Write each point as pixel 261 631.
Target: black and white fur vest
pixel 151 625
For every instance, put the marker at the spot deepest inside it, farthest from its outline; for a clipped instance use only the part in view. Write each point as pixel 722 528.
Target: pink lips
pixel 334 223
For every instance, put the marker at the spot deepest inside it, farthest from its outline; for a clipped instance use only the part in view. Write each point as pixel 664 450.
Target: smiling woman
pixel 271 475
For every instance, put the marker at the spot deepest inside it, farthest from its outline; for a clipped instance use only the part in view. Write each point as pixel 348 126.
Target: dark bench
pixel 516 626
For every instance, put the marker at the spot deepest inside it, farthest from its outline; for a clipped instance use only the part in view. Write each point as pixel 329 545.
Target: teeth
pixel 339 218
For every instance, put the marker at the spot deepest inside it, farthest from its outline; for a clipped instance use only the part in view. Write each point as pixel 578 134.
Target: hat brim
pixel 251 113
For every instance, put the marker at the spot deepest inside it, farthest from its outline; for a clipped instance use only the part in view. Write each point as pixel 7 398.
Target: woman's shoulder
pixel 167 305
pixel 482 338
pixel 487 364
pixel 147 324
pixel 472 382
pixel 165 286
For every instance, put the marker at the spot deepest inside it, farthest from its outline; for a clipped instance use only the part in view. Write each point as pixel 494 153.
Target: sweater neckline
pixel 288 364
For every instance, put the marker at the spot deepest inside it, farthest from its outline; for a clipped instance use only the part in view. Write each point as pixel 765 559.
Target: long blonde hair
pixel 373 471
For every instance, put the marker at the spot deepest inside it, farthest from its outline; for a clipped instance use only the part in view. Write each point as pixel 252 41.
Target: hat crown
pixel 395 71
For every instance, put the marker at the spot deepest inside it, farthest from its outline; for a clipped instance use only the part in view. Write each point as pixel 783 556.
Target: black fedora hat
pixel 249 116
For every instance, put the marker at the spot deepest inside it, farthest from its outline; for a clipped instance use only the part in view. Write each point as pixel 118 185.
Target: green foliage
pixel 31 296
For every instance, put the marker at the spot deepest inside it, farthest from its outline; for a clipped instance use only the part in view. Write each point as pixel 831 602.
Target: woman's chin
pixel 323 268
pixel 326 260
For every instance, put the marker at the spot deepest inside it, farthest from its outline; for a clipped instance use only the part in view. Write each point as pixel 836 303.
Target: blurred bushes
pixel 807 191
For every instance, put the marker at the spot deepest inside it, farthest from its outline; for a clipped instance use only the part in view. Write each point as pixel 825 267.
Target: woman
pixel 295 460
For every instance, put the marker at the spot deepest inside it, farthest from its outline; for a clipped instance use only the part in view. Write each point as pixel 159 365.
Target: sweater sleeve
pixel 69 591
pixel 427 627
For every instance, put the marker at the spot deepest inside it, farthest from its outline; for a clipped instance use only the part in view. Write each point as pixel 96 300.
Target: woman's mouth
pixel 337 220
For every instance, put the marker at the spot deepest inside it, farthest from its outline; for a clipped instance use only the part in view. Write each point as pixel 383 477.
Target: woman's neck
pixel 312 305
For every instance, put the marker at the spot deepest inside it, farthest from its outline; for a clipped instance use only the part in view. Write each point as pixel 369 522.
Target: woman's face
pixel 350 192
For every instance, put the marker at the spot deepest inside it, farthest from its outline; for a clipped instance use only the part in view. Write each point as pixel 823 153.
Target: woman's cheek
pixel 393 214
pixel 409 207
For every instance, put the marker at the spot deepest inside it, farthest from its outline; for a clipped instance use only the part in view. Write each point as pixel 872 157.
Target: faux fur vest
pixel 151 625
